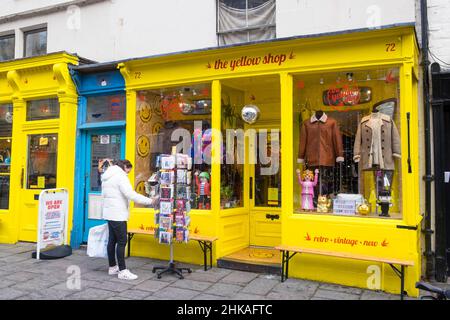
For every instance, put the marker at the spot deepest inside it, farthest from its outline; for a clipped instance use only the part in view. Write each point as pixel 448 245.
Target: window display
pixel 177 118
pixel 5 153
pixel 347 132
pixel 232 168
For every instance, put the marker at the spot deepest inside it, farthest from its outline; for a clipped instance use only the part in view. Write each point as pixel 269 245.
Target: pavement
pixel 79 277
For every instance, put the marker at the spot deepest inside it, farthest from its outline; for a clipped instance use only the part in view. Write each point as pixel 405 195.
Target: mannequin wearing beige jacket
pixel 377 142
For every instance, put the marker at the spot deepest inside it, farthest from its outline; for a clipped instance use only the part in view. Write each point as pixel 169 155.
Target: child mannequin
pixel 308 181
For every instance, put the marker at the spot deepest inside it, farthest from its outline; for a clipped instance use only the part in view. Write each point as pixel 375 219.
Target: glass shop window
pixel 7 47
pixel 175 117
pixel 105 108
pixel 42 156
pixel 347 144
pixel 233 153
pixel 42 109
pixel 245 20
pixel 35 42
pixel 5 153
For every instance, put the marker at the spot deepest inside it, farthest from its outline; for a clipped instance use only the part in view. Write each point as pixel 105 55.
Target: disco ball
pixel 250 113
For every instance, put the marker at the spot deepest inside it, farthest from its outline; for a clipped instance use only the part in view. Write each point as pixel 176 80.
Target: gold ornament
pixel 363 209
pixel 323 204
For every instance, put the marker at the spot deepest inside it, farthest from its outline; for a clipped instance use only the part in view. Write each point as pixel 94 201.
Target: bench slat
pixel 345 255
pixel 196 237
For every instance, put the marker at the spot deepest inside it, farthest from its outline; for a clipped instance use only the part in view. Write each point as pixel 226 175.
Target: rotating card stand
pixel 171 268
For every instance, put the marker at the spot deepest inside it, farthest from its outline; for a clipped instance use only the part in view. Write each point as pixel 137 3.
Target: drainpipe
pixel 429 178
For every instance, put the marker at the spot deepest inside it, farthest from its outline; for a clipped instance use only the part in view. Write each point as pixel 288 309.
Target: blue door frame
pixel 89 223
pixel 89 84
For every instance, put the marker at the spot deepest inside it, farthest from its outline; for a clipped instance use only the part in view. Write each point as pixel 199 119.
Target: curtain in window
pixel 259 14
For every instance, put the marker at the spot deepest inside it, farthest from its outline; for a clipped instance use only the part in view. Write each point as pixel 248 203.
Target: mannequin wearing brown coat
pixel 320 141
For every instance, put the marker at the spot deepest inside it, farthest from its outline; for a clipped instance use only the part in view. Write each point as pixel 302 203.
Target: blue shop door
pixel 100 145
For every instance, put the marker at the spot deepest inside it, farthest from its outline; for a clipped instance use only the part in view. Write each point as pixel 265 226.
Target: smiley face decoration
pixel 143 146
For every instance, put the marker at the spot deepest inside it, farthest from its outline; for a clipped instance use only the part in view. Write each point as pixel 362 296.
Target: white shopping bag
pixel 98 241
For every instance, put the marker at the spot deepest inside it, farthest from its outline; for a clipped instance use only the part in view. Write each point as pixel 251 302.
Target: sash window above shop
pixel 35 42
pixel 241 21
pixel 7 47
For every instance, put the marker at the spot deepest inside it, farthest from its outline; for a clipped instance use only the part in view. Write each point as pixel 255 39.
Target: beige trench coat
pixel 389 140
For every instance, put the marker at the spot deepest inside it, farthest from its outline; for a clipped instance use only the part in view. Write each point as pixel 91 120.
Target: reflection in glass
pixel 42 109
pixel 105 108
pixel 35 42
pixel 42 156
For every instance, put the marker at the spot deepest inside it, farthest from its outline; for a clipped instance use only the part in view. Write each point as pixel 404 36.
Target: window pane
pixel 235 21
pixel 232 168
pixel 4 192
pixel 42 109
pixel 103 147
pixel 42 156
pixel 35 43
pixel 7 48
pixel 347 126
pixel 6 118
pixel 160 114
pixel 5 155
pixel 105 108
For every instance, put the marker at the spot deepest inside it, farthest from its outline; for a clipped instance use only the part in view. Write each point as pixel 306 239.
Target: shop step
pixel 253 259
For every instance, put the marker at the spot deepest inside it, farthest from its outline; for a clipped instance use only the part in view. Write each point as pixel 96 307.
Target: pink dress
pixel 308 192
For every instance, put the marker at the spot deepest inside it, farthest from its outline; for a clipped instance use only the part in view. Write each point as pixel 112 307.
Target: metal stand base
pixel 170 269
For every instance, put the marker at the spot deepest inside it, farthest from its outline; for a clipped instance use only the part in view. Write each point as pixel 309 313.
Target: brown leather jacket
pixel 320 142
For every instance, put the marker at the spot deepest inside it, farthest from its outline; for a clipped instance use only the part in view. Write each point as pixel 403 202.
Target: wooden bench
pixel 205 242
pixel 286 256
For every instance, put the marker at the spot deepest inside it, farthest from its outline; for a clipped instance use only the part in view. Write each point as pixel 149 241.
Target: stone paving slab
pixel 134 294
pixel 239 277
pixel 91 294
pixel 224 289
pixel 10 294
pixel 151 285
pixel 260 286
pixel 334 287
pixel 191 284
pixel 335 295
pixel 171 293
pixel 28 279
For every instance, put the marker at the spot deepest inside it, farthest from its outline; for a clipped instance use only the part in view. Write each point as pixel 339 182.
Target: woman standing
pixel 117 192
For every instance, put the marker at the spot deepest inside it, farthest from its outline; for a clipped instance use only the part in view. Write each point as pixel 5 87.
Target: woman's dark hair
pixel 123 164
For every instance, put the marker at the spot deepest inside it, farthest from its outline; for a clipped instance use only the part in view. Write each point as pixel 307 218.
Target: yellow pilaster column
pixel 287 154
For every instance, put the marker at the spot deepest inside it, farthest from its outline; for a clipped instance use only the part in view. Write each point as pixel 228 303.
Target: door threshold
pixel 253 259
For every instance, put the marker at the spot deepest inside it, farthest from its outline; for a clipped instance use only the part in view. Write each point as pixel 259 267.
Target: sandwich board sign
pixel 53 220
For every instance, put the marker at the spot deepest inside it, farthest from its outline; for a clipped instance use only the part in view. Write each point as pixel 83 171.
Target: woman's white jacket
pixel 117 192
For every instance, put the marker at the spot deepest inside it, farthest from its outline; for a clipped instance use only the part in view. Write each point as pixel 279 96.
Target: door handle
pixel 251 188
pixel 273 216
pixel 22 178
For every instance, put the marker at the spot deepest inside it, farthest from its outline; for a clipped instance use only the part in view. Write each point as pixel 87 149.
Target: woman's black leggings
pixel 117 236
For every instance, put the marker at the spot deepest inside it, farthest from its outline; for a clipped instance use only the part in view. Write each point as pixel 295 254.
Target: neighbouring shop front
pixel 441 127
pixel 341 109
pixel 100 135
pixel 38 105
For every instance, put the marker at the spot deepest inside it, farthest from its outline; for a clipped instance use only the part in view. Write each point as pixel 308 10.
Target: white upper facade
pixel 109 30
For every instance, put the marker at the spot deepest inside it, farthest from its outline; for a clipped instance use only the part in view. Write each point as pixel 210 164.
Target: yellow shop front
pixel 307 142
pixel 38 107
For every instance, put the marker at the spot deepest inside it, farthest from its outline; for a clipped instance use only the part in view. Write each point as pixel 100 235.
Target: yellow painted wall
pixel 29 79
pixel 301 56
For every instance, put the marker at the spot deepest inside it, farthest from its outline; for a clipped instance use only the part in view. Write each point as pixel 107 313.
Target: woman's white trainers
pixel 127 275
pixel 113 270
